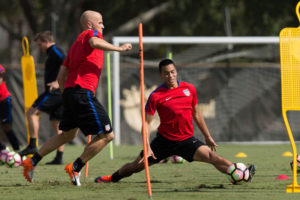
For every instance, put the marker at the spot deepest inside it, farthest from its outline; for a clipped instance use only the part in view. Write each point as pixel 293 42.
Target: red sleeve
pixel 151 105
pixel 194 92
pixel 93 33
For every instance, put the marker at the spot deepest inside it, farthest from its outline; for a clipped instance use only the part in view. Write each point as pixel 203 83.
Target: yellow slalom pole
pixel 29 81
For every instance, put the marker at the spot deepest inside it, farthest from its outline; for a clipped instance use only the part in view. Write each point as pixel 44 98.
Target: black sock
pixel 13 140
pixel 78 165
pixel 2 146
pixel 36 158
pixel 116 177
pixel 59 155
pixel 32 142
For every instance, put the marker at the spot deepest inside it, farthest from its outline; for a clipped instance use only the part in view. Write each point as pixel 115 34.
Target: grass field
pixel 169 181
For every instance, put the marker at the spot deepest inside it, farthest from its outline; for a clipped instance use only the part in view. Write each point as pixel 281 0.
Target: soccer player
pixel 78 78
pixel 50 101
pixel 5 113
pixel 176 104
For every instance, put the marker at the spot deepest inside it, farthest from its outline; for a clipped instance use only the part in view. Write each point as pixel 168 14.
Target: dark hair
pixel 44 36
pixel 164 63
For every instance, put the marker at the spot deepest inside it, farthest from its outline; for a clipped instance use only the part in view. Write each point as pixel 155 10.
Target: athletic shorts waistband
pixel 77 89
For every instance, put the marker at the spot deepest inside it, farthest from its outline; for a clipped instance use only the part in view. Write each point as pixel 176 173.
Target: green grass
pixel 169 181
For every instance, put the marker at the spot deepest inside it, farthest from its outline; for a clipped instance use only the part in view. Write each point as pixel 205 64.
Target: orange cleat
pixel 74 176
pixel 28 169
pixel 103 179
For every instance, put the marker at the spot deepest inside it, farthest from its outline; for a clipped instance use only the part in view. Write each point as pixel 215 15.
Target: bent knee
pixel 110 136
pixel 31 111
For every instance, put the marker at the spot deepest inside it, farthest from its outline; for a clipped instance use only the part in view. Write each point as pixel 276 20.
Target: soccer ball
pixel 3 155
pixel 298 164
pixel 238 173
pixel 176 159
pixel 13 159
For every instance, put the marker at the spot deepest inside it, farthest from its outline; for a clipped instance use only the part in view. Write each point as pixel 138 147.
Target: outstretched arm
pixel 147 128
pixel 1 78
pixel 99 43
pixel 62 77
pixel 199 119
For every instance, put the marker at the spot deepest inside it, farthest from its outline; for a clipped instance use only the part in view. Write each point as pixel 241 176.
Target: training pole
pixel 111 148
pixel 87 163
pixel 143 110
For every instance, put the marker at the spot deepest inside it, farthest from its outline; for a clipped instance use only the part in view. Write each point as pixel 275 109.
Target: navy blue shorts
pixel 50 103
pixel 82 110
pixel 5 111
pixel 164 148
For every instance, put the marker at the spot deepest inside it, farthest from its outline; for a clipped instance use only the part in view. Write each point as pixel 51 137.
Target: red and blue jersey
pixel 4 93
pixel 84 62
pixel 175 110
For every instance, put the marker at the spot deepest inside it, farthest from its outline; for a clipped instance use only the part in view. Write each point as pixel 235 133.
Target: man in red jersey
pixel 176 104
pixel 5 113
pixel 78 79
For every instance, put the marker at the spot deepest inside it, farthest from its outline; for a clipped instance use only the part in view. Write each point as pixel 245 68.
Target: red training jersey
pixel 175 110
pixel 84 62
pixel 4 93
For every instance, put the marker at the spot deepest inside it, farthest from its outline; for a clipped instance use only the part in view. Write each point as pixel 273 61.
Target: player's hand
pixel 125 47
pixel 211 143
pixel 53 86
pixel 150 153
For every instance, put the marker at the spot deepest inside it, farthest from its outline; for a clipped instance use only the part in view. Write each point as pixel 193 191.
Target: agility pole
pixel 143 110
pixel 111 148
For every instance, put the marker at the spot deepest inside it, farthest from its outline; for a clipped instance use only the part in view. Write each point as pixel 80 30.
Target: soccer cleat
pixel 28 170
pixel 55 162
pixel 74 176
pixel 28 150
pixel 252 171
pixel 103 179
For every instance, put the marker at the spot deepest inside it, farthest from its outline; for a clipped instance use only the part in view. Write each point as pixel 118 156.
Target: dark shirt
pixel 55 58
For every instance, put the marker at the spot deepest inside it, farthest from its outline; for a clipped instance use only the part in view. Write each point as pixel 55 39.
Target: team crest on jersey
pixel 107 127
pixel 187 92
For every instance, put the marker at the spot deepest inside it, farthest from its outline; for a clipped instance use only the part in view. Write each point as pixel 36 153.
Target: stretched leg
pixel 33 124
pixel 92 149
pixel 205 154
pixel 95 146
pixel 56 141
pixel 60 150
pixel 50 145
pixel 33 121
pixel 125 171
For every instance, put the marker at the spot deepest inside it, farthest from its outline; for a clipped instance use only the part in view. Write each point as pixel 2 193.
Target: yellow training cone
pixel 241 155
pixel 287 154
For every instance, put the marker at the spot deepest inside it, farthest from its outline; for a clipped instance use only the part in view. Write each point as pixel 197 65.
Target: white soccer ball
pixel 238 173
pixel 13 159
pixel 3 155
pixel 176 159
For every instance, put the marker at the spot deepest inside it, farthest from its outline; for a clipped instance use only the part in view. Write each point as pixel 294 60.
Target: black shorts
pixel 5 111
pixel 164 148
pixel 50 103
pixel 82 110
